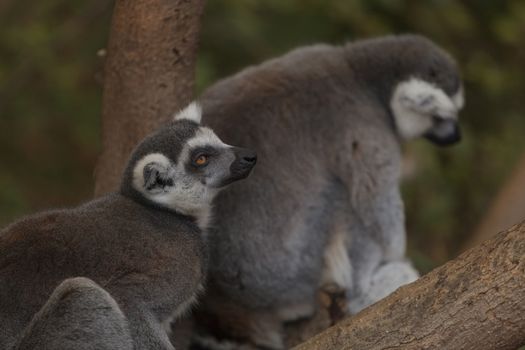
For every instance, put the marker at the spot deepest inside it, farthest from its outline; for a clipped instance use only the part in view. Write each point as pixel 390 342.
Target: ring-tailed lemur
pixel 114 272
pixel 325 205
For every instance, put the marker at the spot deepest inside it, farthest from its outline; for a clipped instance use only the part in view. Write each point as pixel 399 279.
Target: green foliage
pixel 49 102
pixel 50 97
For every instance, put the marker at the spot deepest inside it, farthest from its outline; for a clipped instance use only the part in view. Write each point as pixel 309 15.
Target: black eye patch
pixel 209 151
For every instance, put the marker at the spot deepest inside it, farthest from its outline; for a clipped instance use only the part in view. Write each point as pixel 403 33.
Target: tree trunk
pixel 149 75
pixel 508 208
pixel 476 301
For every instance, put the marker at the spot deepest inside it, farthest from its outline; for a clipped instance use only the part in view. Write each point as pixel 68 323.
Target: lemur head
pixel 182 166
pixel 421 85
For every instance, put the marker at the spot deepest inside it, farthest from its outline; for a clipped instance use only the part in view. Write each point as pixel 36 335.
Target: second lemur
pixel 325 205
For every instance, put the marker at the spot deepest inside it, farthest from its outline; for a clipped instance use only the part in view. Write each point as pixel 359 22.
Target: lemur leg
pixel 374 277
pixel 150 305
pixel 377 250
pixel 337 270
pixel 336 280
pixel 388 277
pixel 79 315
pixel 148 331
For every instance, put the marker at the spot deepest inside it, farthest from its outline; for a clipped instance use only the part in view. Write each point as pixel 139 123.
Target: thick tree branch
pixel 149 74
pixel 507 207
pixel 476 301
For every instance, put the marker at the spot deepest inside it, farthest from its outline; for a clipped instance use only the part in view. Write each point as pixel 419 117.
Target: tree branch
pixel 149 74
pixel 476 301
pixel 506 209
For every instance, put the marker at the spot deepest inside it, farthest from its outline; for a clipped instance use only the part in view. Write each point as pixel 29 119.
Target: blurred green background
pixel 50 95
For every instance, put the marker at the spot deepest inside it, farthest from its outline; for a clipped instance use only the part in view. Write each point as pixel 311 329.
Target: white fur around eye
pixel 188 196
pixel 205 136
pixel 414 103
pixel 192 112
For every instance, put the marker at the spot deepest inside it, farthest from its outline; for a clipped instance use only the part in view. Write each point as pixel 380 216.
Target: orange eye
pixel 201 160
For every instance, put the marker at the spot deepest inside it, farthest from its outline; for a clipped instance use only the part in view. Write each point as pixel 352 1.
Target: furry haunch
pixel 114 272
pixel 324 205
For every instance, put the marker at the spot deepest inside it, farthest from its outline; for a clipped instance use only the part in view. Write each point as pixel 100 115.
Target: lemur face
pixel 186 165
pixel 427 104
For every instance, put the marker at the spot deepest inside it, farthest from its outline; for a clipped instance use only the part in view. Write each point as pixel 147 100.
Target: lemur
pixel 114 272
pixel 328 123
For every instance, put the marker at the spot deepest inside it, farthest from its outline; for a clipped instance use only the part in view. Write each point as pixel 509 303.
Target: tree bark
pixel 508 208
pixel 476 301
pixel 148 75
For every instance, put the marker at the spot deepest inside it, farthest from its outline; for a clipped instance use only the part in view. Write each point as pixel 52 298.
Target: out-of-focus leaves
pixel 50 101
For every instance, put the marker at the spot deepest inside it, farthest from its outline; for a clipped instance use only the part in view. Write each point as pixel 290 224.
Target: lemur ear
pixel 156 177
pixel 192 112
pixel 153 174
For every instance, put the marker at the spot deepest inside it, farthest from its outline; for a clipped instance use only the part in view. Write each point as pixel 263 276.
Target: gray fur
pixel 330 156
pixel 142 261
pixel 79 315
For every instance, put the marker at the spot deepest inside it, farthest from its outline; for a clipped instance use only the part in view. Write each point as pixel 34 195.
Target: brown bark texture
pixel 508 207
pixel 476 301
pixel 148 75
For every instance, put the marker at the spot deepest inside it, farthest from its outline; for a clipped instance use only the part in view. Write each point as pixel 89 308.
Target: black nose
pixel 242 166
pixel 247 157
pixel 444 133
